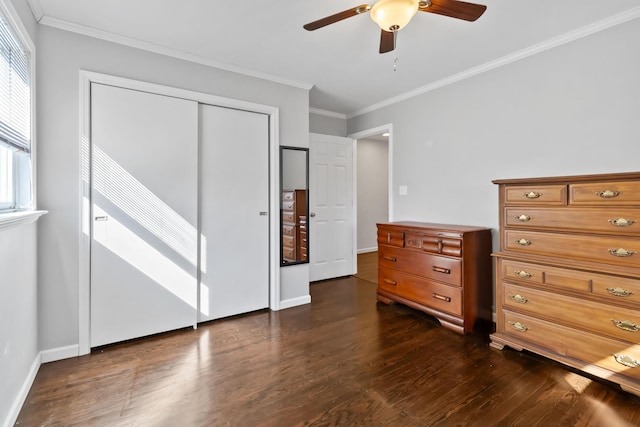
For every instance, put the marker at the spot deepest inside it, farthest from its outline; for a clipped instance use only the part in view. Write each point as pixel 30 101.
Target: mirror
pixel 294 205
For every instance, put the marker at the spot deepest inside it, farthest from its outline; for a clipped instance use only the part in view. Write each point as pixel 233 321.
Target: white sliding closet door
pixel 144 213
pixel 234 205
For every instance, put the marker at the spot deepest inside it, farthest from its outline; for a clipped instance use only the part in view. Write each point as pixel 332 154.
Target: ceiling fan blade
pixel 337 17
pixel 387 41
pixel 455 9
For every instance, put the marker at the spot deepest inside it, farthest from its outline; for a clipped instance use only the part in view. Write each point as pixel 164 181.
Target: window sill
pixel 14 219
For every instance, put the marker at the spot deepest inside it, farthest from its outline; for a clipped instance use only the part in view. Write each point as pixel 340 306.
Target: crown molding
pixel 36 9
pixel 327 113
pixel 166 51
pixel 582 32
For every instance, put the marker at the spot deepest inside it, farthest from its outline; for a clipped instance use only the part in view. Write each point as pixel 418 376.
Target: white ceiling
pixel 340 61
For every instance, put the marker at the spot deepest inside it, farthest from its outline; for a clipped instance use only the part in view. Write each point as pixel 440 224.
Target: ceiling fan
pixel 393 15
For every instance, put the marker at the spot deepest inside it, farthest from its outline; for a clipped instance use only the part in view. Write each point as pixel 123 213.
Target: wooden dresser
pixel 294 207
pixel 568 272
pixel 443 270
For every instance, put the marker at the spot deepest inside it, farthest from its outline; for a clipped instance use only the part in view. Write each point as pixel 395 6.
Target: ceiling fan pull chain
pixel 395 43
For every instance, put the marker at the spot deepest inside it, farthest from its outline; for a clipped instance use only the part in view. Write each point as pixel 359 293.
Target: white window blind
pixel 15 90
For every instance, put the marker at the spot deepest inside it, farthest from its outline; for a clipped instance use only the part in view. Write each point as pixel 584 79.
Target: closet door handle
pixel 102 218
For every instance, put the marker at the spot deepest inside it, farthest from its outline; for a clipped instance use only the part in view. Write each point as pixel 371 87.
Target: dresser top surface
pixel 433 226
pixel 622 176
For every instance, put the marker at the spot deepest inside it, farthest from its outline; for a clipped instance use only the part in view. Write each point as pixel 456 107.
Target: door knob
pixel 312 214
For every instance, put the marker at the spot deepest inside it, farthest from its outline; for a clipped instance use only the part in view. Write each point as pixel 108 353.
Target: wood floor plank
pixel 343 360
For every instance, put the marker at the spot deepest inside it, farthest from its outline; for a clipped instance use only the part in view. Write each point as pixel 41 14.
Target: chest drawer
pixel 288 205
pixel 609 250
pixel 390 237
pixel 604 319
pixel 434 267
pixel 289 241
pixel 288 230
pixel 442 245
pixel 603 352
pixel 621 193
pixel 620 221
pixel 534 274
pixel 438 296
pixel 552 195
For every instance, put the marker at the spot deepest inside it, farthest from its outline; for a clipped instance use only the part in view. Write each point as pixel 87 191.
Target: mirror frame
pixel 284 148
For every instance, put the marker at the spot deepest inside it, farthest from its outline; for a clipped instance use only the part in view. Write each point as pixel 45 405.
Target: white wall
pixel 327 125
pixel 61 55
pixel 19 356
pixel 569 110
pixel 373 191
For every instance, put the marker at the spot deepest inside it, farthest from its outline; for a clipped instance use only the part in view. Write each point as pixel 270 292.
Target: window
pixel 15 120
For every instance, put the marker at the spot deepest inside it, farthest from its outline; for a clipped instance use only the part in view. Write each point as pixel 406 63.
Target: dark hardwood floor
pixel 368 266
pixel 343 360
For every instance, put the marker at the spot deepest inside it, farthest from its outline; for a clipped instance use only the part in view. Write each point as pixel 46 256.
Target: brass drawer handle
pixel 627 361
pixel 524 274
pixel 442 270
pixel 519 326
pixel 523 242
pixel 619 292
pixel 442 298
pixel 621 252
pixel 518 298
pixel 523 218
pixel 532 195
pixel 390 282
pixel 389 258
pixel 608 194
pixel 626 325
pixel 622 222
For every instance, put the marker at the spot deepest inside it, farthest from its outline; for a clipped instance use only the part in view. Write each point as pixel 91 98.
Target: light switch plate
pixel 403 190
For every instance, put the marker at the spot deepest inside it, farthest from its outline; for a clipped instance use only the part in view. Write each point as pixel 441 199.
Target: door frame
pixel 361 135
pixel 84 206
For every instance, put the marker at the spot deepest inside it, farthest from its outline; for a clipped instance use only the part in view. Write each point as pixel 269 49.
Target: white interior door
pixel 144 213
pixel 234 209
pixel 331 228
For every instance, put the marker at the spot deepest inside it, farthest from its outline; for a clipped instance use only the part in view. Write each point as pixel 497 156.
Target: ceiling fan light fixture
pixel 392 15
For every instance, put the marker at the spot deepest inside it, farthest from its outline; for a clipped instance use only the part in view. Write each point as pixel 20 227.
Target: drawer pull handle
pixel 627 361
pixel 390 282
pixel 442 298
pixel 621 252
pixel 608 194
pixel 523 218
pixel 622 222
pixel 389 258
pixel 524 274
pixel 619 292
pixel 532 195
pixel 523 242
pixel 519 299
pixel 626 325
pixel 519 326
pixel 442 270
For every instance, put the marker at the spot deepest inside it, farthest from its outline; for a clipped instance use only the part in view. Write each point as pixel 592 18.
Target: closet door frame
pixel 84 199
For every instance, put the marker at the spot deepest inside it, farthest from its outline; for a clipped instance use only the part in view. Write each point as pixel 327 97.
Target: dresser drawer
pixel 609 250
pixel 438 296
pixel 288 230
pixel 288 216
pixel 288 205
pixel 390 237
pixel 443 269
pixel 589 349
pixel 553 195
pixel 289 253
pixel 619 221
pixel 288 196
pixel 442 245
pixel 289 241
pixel 621 193
pixel 534 274
pixel 604 319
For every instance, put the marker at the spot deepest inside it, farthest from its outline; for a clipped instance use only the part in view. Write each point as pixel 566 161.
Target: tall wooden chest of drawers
pixel 568 272
pixel 443 270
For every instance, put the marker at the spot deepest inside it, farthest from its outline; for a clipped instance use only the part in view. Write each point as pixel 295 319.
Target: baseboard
pixel 60 353
pixel 14 411
pixel 367 250
pixel 294 302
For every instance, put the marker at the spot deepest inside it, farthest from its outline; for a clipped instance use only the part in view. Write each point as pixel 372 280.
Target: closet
pixel 179 208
